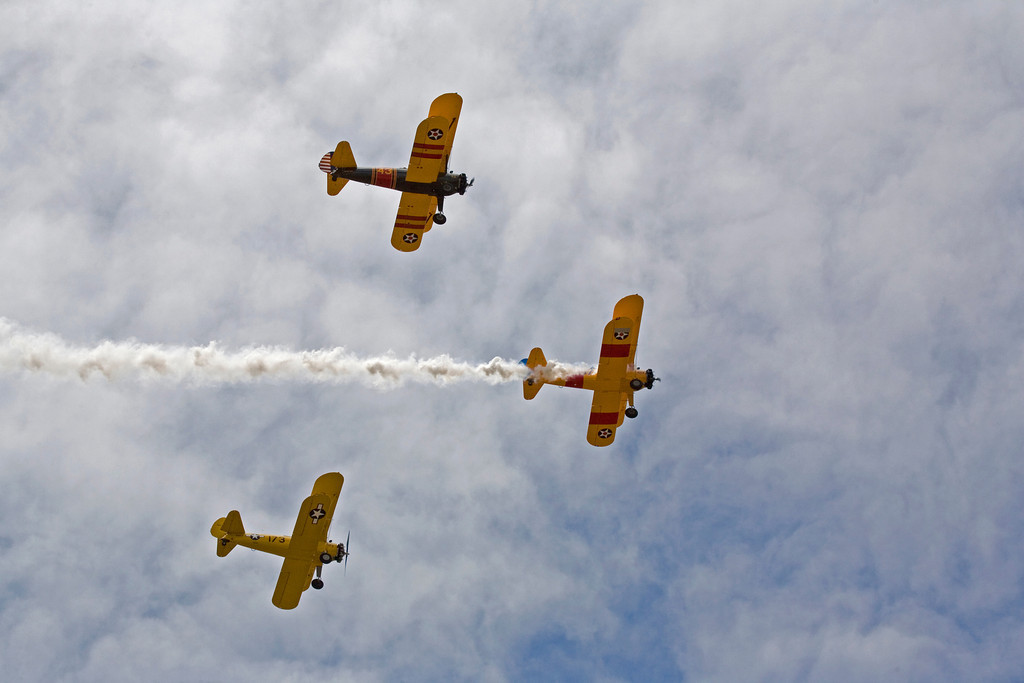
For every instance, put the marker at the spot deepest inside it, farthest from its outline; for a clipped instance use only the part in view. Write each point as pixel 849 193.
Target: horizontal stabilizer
pixel 225 546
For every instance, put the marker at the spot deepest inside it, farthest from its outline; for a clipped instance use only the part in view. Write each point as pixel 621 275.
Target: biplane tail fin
pixel 224 529
pixel 533 383
pixel 341 157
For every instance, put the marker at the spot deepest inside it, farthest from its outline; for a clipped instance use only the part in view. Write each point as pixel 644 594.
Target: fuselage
pixel 278 545
pixel 394 178
pixel 595 382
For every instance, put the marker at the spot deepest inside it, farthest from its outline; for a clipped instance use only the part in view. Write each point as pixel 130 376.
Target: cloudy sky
pixel 822 205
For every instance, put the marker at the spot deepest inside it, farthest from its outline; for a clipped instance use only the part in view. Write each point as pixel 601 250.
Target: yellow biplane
pixel 306 551
pixel 424 184
pixel 616 377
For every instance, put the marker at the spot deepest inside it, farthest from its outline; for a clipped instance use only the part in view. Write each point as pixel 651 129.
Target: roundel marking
pixel 317 513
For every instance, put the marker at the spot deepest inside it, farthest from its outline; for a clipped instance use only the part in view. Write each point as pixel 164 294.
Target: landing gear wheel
pixel 631 412
pixel 326 558
pixel 439 218
pixel 317 584
pixel 636 385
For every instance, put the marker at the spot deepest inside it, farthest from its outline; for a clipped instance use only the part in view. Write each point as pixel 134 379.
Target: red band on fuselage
pixel 383 177
pixel 604 418
pixel 614 350
pixel 575 381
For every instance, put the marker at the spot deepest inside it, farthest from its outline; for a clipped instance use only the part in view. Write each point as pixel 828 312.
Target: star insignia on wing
pixel 317 513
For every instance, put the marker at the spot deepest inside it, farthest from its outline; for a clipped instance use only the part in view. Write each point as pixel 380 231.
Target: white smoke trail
pixel 22 351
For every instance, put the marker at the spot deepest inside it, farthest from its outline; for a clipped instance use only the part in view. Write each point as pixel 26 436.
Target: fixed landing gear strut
pixel 439 217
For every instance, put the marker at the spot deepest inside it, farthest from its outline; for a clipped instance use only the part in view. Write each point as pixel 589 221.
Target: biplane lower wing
pixel 293 580
pixel 606 414
pixel 415 213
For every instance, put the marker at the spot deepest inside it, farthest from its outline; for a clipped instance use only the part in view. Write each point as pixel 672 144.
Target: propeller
pixel 346 551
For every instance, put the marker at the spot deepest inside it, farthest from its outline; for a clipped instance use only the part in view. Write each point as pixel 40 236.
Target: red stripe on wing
pixel 410 222
pixel 604 418
pixel 422 150
pixel 614 350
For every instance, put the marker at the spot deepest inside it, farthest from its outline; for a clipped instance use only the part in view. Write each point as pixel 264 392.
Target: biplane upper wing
pixel 631 307
pixel 311 527
pixel 427 158
pixel 415 212
pixel 448 106
pixel 329 484
pixel 618 349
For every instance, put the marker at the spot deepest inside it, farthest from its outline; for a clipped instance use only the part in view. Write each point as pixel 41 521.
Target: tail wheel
pixel 317 584
pixel 631 412
pixel 636 385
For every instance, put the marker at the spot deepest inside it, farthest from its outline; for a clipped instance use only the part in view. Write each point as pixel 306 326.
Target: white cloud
pixel 820 206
